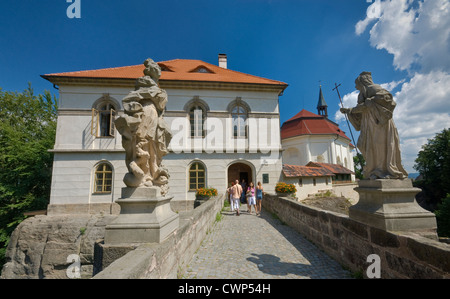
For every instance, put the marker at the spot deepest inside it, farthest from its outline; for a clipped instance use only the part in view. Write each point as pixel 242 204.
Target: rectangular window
pixel 265 178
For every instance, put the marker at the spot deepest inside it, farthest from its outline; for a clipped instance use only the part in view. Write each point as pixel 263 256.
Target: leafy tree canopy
pixel 27 132
pixel 359 163
pixel 433 163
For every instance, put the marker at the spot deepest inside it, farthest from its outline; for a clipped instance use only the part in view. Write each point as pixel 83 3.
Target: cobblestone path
pixel 250 246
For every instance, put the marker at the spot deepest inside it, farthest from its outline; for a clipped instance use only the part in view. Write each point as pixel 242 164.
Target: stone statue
pixel 145 134
pixel 378 140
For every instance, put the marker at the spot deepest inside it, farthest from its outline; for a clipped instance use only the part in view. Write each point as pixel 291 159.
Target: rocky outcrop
pixel 41 246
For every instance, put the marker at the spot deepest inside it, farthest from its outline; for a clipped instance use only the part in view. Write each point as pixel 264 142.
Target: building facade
pixel 316 152
pixel 225 126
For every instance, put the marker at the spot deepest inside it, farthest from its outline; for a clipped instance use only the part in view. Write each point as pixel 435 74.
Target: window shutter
pixel 94 122
pixel 111 122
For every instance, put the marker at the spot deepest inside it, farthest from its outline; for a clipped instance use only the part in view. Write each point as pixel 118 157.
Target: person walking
pixel 259 196
pixel 230 197
pixel 244 188
pixel 251 197
pixel 236 192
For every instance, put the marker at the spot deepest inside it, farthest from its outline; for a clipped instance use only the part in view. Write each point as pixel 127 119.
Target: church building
pixel 317 154
pixel 225 126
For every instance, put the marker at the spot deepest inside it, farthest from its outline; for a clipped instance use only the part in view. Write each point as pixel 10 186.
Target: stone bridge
pixel 288 240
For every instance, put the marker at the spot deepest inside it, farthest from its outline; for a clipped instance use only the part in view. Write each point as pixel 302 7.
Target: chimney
pixel 223 60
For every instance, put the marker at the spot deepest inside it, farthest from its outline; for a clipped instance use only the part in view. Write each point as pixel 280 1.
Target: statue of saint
pixel 378 140
pixel 145 134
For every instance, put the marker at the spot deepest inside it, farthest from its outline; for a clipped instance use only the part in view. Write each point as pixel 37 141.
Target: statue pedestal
pixel 390 205
pixel 145 217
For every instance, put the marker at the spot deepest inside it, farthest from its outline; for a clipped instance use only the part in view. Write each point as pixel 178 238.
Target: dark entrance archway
pixel 240 171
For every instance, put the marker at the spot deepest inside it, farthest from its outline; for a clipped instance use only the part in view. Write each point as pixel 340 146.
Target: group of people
pixel 241 193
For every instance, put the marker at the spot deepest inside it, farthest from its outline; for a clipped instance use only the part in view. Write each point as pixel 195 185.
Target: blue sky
pixel 295 41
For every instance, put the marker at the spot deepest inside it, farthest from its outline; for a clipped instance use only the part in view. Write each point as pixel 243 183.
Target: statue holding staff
pixel 378 141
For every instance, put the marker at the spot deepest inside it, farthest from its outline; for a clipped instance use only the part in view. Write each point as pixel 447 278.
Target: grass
pixel 325 194
pixel 219 217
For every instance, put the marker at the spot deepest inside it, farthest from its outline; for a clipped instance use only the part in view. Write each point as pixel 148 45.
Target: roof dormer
pixel 202 69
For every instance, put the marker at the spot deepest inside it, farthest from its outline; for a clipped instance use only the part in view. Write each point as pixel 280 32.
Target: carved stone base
pixel 390 205
pixel 144 217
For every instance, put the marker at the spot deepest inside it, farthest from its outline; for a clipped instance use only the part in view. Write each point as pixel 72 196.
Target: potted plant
pixel 286 190
pixel 203 194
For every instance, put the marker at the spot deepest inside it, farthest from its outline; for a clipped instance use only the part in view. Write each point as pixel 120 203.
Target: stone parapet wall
pixel 162 260
pixel 101 209
pixel 402 255
pixel 40 246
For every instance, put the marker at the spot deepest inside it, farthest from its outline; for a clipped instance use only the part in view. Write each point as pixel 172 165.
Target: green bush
pixel 443 217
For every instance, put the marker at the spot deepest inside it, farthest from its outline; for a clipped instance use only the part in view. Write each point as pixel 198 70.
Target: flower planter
pixel 289 195
pixel 199 199
pixel 202 197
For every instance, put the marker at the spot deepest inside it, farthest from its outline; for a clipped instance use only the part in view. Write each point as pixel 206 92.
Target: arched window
pixel 197 176
pixel 197 120
pixel 103 115
pixel 103 178
pixel 239 116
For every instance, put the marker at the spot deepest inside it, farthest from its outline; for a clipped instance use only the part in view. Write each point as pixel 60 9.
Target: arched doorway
pixel 240 171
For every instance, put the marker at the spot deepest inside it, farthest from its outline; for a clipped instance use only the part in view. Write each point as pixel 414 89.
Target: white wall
pixel 73 177
pixel 300 150
pixel 77 152
pixel 308 187
pixel 216 171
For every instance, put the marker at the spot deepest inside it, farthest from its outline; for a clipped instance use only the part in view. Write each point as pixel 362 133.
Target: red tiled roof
pixel 308 123
pixel 177 69
pixel 334 168
pixel 305 171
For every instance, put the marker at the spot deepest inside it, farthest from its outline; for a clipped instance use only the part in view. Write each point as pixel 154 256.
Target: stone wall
pixel 402 255
pixel 162 260
pixel 40 246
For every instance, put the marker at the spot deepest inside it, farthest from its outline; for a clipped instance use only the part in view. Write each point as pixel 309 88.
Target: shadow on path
pixel 321 265
pixel 272 265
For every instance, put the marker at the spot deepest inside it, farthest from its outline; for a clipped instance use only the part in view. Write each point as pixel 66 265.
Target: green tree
pixel 443 217
pixel 433 163
pixel 359 163
pixel 27 132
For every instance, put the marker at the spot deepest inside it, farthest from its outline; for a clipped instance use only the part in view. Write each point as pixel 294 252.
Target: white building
pixel 317 153
pixel 225 126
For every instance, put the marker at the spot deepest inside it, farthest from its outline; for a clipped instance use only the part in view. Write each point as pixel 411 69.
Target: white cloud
pixel 424 95
pixel 423 106
pixel 417 34
pixel 349 100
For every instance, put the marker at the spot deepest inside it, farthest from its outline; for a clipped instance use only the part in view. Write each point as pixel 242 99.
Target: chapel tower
pixel 322 105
